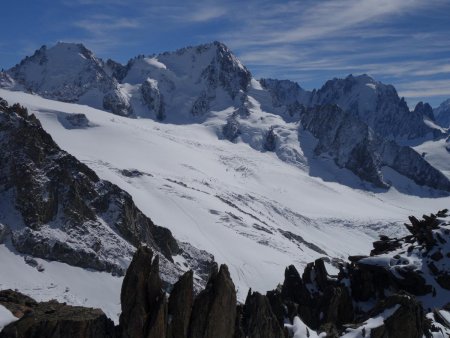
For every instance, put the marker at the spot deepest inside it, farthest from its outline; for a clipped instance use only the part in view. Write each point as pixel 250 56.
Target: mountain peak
pixel 363 78
pixel 442 114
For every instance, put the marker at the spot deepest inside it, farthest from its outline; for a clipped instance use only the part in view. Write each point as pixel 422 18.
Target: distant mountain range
pixel 187 85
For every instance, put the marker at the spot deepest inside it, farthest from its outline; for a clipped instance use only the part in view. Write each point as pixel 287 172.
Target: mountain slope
pixel 226 198
pixel 56 208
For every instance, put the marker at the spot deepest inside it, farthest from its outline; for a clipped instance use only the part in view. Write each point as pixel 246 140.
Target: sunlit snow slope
pixel 251 211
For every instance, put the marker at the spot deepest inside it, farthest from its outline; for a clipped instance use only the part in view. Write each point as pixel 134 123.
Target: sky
pixel 401 42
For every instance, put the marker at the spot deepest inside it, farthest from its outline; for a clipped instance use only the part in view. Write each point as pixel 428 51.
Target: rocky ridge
pixel 355 146
pixel 57 208
pixel 385 294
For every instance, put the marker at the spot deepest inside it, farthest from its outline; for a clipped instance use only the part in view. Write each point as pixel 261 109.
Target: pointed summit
pixel 376 104
pixel 70 72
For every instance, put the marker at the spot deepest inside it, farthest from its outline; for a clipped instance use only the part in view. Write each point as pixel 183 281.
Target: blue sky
pixel 402 42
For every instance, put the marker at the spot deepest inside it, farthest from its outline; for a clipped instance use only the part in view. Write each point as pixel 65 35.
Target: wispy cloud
pixel 206 14
pixel 104 24
pixel 423 88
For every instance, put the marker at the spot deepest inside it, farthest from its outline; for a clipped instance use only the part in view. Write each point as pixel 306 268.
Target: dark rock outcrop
pixel 153 99
pixel 181 301
pixel 408 319
pixel 258 319
pixel 53 320
pixel 270 143
pixel 231 130
pixel 140 289
pixel 214 310
pixel 425 110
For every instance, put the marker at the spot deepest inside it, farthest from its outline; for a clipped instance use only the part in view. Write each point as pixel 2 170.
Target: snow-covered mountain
pixel 442 114
pixel 261 174
pixel 71 73
pixel 353 145
pixel 374 103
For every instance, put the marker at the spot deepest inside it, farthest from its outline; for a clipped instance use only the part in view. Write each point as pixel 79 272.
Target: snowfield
pixel 248 208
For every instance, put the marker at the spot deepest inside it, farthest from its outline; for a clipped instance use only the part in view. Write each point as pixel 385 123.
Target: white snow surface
pixel 243 205
pixel 6 317
pixel 300 330
pixel 60 281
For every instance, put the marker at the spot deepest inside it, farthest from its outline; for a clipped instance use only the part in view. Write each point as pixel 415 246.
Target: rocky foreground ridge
pixel 401 290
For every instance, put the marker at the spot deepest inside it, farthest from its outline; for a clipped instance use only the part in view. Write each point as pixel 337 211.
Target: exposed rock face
pixel 442 114
pixel 144 304
pixel 271 140
pixel 231 130
pixel 117 103
pixel 68 213
pixel 285 92
pixel 201 105
pixel 214 310
pixel 258 319
pixel 180 306
pixel 225 70
pixel 134 297
pixel 408 319
pixel 146 311
pixel 424 109
pixel 376 104
pixel 53 319
pixel 153 98
pixel 353 145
